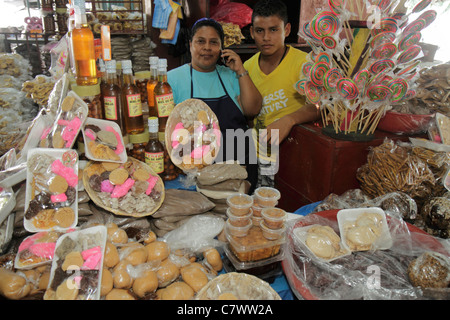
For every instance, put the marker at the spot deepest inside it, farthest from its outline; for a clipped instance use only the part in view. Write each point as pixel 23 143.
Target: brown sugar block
pixel 64 217
pixel 118 176
pixel 67 103
pixel 58 185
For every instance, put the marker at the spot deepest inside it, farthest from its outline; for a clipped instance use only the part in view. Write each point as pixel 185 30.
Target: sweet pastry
pixel 324 242
pixel 363 232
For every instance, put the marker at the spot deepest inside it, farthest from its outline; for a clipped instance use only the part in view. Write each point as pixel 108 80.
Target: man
pixel 274 71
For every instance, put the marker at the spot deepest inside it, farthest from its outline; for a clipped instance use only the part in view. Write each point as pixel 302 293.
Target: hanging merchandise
pixel 163 98
pixel 111 96
pixel 131 99
pixel 83 47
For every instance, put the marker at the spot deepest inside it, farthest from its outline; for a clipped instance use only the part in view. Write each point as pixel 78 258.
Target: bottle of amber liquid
pixel 83 48
pixel 163 98
pixel 152 112
pixel 131 101
pixel 154 150
pixel 112 96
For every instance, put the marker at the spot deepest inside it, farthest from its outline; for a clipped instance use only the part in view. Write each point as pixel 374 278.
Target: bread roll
pixel 212 256
pixel 194 277
pixel 121 278
pixel 157 250
pixel 167 273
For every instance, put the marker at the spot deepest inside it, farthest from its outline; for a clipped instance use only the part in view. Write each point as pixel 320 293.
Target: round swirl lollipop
pixel 409 68
pixel 323 24
pixel 378 92
pixel 409 94
pixel 361 78
pixel 415 26
pixel 409 54
pixel 323 57
pixel 312 92
pixel 399 87
pixel 421 5
pixel 306 31
pixel 347 88
pixel 429 16
pixel 300 86
pixel 306 68
pixel 336 6
pixel 329 42
pixel 318 71
pixel 382 38
pixel 384 51
pixel 402 19
pixel 330 79
pixel 409 40
pixel 381 66
pixel 385 24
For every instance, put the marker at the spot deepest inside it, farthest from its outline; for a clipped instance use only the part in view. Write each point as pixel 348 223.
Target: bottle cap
pixel 110 66
pixel 153 61
pixel 126 64
pixel 162 63
pixel 153 124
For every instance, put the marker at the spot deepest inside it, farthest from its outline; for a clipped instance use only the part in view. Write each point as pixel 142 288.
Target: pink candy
pixel 28 242
pixel 90 134
pixel 71 129
pixel 61 197
pixel 45 250
pixel 198 152
pixel 106 186
pixel 45 133
pixel 65 172
pixel 119 147
pixel 151 184
pixel 121 190
pixel 91 258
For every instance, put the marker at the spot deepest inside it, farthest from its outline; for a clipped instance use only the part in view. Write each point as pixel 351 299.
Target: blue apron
pixel 231 117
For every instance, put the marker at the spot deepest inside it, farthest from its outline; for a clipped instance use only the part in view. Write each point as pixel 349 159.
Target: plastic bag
pixel 197 234
pixel 232 12
pixel 379 274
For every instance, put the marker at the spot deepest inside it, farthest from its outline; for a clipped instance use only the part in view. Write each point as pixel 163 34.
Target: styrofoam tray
pixel 97 237
pixel 300 235
pixel 344 216
pixel 10 203
pixel 57 154
pixel 103 124
pixel 427 144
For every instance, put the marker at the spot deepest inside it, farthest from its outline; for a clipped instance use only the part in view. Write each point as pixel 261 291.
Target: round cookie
pixel 64 217
pixel 58 141
pixel 141 175
pixel 58 185
pixel 110 166
pixel 118 176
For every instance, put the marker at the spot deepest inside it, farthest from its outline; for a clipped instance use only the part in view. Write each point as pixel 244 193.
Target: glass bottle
pixel 131 101
pixel 163 98
pixel 154 150
pixel 139 142
pixel 102 73
pixel 151 86
pixel 83 47
pixel 112 96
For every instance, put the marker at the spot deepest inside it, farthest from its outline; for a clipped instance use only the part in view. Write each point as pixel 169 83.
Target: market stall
pixel 84 217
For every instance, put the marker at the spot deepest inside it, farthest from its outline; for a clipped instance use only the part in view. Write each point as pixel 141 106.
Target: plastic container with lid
pixel 273 217
pixel 139 141
pixel 272 234
pixel 238 231
pixel 239 221
pixel 267 196
pixel 92 96
pixel 240 203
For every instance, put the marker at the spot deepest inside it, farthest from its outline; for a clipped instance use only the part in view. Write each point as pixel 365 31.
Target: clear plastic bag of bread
pixel 193 135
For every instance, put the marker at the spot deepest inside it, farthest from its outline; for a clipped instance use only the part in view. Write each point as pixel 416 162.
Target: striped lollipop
pixel 409 54
pixel 306 68
pixel 318 70
pixel 421 5
pixel 329 42
pixel 323 57
pixel 336 6
pixel 384 51
pixel 361 78
pixel 381 66
pixel 385 24
pixel 347 88
pixel 300 86
pixel 312 92
pixel 330 79
pixel 323 24
pixel 415 26
pixel 429 16
pixel 409 68
pixel 382 38
pixel 409 40
pixel 399 87
pixel 378 92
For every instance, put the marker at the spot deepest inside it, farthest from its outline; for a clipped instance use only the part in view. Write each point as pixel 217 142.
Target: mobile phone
pixel 224 59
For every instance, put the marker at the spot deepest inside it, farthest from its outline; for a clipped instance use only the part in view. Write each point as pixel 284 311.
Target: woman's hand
pixel 233 61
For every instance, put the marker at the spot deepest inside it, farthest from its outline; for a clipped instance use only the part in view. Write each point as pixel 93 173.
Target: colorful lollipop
pixel 409 68
pixel 385 24
pixel 384 51
pixel 415 26
pixel 306 68
pixel 323 57
pixel 421 5
pixel 429 16
pixel 329 42
pixel 330 79
pixel 378 92
pixel 347 88
pixel 409 40
pixel 361 78
pixel 323 24
pixel 300 86
pixel 335 6
pixel 312 92
pixel 381 65
pixel 382 38
pixel 409 54
pixel 399 87
pixel 318 71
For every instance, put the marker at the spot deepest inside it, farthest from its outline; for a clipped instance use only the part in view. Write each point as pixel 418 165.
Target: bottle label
pixel 134 105
pixel 110 108
pixel 155 161
pixel 164 104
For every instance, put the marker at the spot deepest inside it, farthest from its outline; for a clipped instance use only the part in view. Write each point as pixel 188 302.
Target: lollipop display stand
pixel 355 72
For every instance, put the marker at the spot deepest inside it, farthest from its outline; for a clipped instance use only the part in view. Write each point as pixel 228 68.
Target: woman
pixel 228 90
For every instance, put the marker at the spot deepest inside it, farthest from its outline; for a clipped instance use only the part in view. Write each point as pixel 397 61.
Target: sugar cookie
pixel 118 176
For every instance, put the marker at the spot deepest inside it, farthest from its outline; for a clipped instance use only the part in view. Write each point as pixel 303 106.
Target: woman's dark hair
pixel 267 8
pixel 208 22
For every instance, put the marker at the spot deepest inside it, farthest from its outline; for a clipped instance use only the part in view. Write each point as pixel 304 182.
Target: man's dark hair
pixel 267 8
